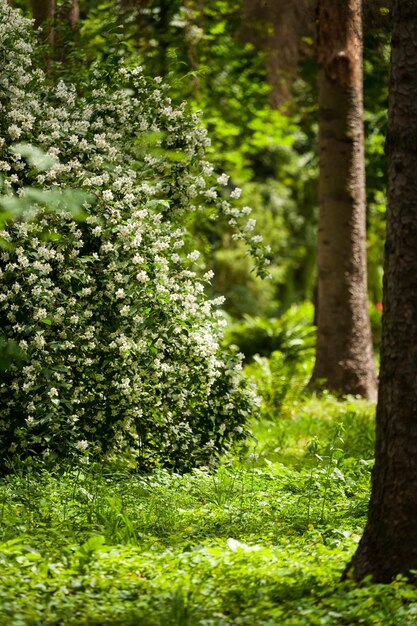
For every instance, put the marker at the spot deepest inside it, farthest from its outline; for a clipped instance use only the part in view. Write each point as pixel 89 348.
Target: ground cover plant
pixel 263 540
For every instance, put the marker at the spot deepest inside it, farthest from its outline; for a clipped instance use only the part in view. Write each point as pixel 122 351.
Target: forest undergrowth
pixel 262 540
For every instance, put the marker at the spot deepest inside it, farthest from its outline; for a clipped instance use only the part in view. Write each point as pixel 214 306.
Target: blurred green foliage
pixel 279 355
pixel 292 333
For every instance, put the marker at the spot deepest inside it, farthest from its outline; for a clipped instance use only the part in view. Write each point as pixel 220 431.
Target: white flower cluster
pixel 121 343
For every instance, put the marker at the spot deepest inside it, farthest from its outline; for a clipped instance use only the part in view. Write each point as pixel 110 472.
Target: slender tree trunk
pixel 166 11
pixel 43 12
pixel 389 543
pixel 344 349
pixel 282 29
pixel 57 20
pixel 196 11
pixel 67 15
pixel 73 13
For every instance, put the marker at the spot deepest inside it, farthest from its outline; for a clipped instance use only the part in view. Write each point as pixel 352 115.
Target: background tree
pixel 344 348
pixel 57 21
pixel 42 11
pixel 285 30
pixel 389 543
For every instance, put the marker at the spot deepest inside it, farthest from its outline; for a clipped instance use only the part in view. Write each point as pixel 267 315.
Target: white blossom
pixel 236 192
pixel 223 179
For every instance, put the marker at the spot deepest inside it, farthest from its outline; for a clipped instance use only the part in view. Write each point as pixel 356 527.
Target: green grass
pixel 258 542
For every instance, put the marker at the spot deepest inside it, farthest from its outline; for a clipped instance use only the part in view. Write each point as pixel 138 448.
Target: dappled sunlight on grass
pixel 313 423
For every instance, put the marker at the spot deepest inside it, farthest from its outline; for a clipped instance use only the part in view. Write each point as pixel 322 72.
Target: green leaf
pixel 34 156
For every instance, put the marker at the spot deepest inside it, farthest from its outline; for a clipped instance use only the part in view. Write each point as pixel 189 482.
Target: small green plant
pixel 279 355
pixel 325 471
pixel 277 381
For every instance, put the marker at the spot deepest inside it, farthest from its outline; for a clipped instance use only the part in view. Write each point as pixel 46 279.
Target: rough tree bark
pixel 389 544
pixel 344 349
pixel 54 18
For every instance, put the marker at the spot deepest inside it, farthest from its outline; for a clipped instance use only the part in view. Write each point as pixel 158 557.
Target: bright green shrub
pixel 292 334
pixel 277 380
pixel 121 343
pixel 280 355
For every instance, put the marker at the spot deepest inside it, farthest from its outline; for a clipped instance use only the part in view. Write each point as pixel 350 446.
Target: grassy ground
pixel 261 542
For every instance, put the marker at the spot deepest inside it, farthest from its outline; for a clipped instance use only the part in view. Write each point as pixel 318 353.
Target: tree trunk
pixel 73 13
pixel 43 12
pixel 282 28
pixel 67 15
pixel 162 30
pixel 389 543
pixel 344 358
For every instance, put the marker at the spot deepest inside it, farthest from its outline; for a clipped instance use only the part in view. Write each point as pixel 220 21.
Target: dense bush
pixel 121 343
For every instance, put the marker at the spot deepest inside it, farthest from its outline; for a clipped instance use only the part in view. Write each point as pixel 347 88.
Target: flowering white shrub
pixel 121 342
